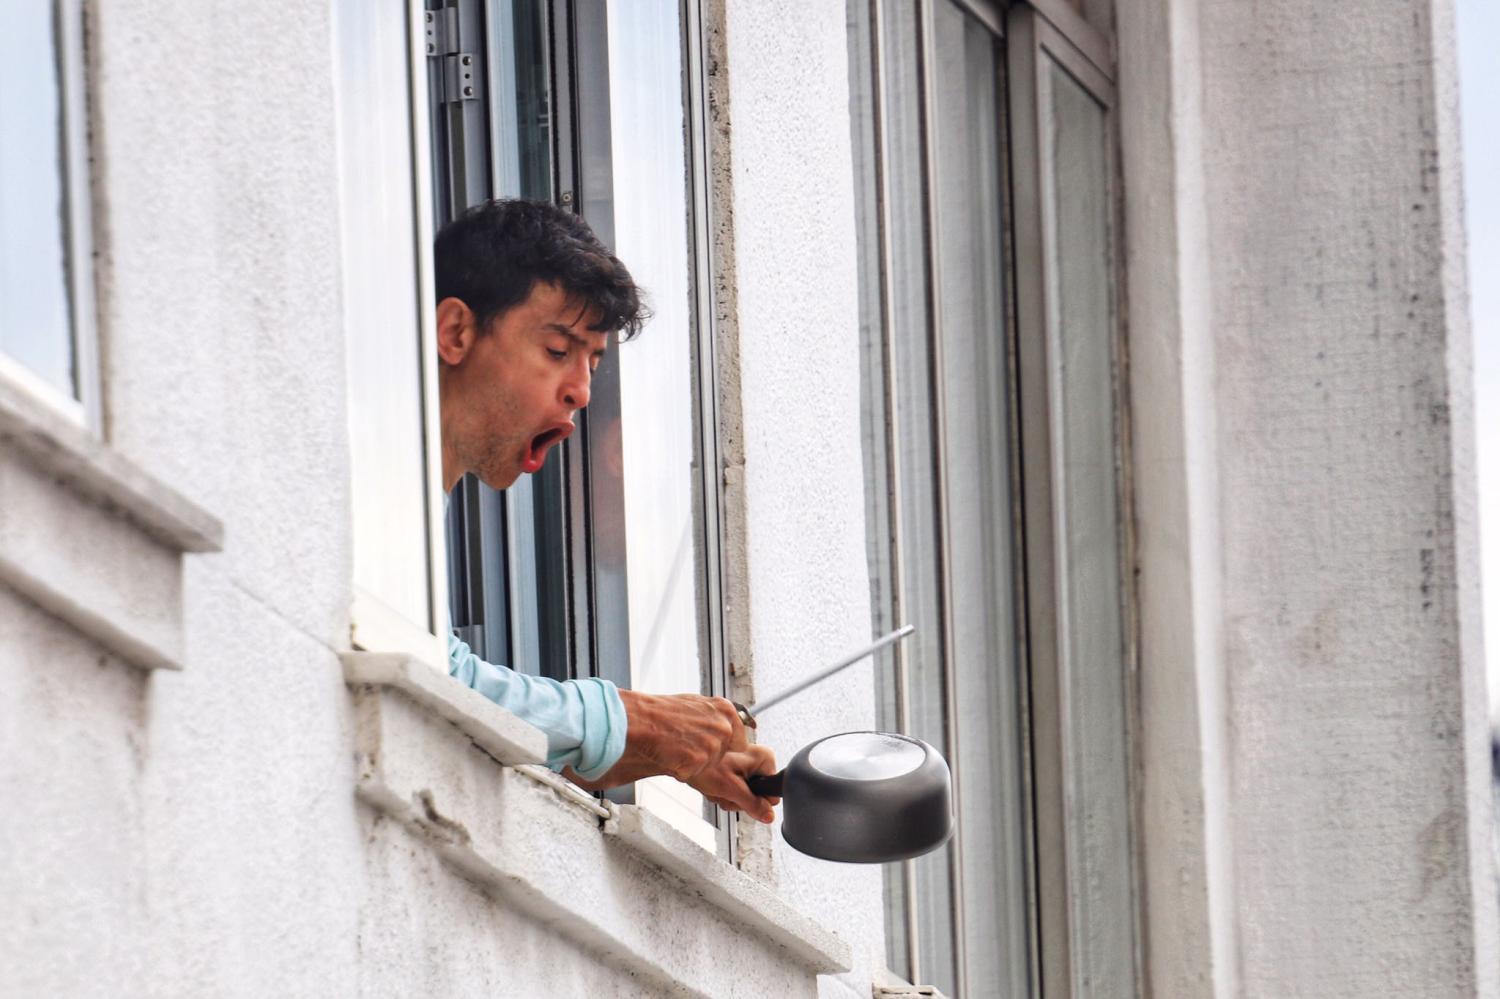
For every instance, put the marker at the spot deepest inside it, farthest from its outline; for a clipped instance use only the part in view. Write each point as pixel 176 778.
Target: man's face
pixel 510 395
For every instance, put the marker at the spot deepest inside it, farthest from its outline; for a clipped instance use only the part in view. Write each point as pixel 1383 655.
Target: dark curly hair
pixel 492 255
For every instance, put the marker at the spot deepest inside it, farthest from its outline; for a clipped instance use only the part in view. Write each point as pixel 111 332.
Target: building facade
pixel 1120 346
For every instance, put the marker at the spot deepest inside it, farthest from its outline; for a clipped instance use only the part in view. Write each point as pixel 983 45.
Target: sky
pixel 1479 88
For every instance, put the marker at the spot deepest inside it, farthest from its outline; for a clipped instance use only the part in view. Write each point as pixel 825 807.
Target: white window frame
pixel 86 409
pixel 375 625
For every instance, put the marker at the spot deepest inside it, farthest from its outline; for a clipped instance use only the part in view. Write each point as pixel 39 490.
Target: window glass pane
pixel 381 307
pixel 1079 296
pixel 651 216
pixel 34 307
pixel 520 126
pixel 907 575
pixel 875 424
pixel 983 660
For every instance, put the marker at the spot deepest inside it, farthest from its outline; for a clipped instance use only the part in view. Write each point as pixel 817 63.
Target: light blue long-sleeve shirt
pixel 584 719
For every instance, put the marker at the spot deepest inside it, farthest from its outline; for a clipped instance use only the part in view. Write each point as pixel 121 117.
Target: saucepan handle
pixel 766 785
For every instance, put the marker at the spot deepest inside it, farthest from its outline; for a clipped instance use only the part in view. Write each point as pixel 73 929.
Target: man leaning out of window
pixel 527 300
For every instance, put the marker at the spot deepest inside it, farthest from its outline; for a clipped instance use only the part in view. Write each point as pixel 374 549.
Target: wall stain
pixel 1437 845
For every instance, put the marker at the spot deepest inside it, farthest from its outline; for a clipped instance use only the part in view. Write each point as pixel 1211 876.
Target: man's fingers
pixel 754 760
pixel 738 740
pixel 759 808
pixel 725 785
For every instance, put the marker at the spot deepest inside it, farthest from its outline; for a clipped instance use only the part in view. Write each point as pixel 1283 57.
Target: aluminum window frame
pixel 709 505
pixel 989 17
pixel 1040 31
pixel 1031 34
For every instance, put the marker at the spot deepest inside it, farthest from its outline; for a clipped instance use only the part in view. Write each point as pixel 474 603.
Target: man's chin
pixel 499 478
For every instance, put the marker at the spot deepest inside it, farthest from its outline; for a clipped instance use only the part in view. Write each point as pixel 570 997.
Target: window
pixel 46 279
pixel 604 563
pixel 994 511
pixel 395 475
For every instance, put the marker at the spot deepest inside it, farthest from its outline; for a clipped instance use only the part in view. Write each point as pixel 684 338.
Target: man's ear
pixel 456 331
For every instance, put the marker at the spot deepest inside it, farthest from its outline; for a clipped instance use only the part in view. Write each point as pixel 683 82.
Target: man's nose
pixel 575 391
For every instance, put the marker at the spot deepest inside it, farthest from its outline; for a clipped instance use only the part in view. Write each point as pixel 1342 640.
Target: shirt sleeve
pixel 584 719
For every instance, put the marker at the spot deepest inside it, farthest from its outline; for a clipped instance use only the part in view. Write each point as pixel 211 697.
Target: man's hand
pixel 724 784
pixel 698 740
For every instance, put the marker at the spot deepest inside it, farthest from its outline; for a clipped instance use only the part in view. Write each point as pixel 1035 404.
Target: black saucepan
pixel 863 798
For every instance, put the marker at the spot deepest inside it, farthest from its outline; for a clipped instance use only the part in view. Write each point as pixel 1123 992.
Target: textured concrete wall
pixel 1315 770
pixel 794 437
pixel 222 349
pixel 1187 871
pixel 71 719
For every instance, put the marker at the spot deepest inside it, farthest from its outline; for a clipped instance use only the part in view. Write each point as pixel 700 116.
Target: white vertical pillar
pixel 1297 256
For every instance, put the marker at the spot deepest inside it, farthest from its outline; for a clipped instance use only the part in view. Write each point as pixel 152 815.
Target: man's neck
pixel 452 469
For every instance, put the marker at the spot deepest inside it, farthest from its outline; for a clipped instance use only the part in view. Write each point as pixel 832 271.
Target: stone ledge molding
pixel 729 889
pixel 495 730
pixel 70 454
pixel 91 538
pixel 617 879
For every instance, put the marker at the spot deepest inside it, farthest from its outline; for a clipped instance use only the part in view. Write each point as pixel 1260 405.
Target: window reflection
pixel 656 388
pixel 381 309
pixel 35 326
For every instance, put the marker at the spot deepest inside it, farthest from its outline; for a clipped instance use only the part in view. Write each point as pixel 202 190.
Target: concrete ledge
pixel 729 888
pixel 616 880
pixel 90 538
pixel 498 732
pixel 70 454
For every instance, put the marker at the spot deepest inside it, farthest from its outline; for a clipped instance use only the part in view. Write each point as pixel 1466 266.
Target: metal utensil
pixel 748 714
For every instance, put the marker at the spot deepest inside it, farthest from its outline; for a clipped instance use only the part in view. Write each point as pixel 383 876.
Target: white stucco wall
pixel 791 190
pixel 219 316
pixel 1313 751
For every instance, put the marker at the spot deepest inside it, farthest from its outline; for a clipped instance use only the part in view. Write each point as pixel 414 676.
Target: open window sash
pixel 400 586
pixel 1069 357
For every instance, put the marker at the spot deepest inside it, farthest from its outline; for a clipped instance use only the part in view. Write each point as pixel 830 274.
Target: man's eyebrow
pixel 568 332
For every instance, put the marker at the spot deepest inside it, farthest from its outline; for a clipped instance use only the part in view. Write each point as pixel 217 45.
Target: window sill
pixel 498 732
pixel 450 767
pixel 90 537
pixel 901 990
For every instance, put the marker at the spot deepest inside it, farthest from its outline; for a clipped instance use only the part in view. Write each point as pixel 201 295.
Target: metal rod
pixel 818 677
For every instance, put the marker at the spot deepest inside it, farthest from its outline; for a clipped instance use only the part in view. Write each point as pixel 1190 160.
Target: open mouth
pixel 536 451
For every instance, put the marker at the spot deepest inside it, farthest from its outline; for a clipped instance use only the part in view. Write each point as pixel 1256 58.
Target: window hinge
pixel 442 31
pixel 459 83
pixel 458 80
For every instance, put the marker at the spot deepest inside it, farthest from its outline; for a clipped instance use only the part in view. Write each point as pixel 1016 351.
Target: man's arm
pixel 601 736
pixel 584 720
